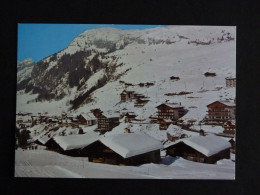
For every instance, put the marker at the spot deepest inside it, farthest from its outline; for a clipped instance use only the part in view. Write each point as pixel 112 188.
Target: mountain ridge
pixel 93 62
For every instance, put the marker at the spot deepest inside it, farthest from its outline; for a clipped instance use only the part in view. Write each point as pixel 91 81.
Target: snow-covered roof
pixel 207 145
pixel 123 93
pixel 208 128
pixel 230 77
pixel 111 114
pixel 71 142
pixel 173 105
pixel 131 144
pixel 226 102
pixel 44 139
pixel 174 130
pixel 88 116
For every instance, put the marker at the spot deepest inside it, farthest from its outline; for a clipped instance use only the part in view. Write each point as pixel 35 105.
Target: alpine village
pixel 130 98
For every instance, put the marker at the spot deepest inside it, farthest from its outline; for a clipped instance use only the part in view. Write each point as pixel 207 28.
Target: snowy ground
pixel 42 163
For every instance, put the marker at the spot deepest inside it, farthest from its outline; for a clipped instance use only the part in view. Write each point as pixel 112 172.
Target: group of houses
pixel 138 148
pixel 129 96
pixel 26 120
pixel 119 149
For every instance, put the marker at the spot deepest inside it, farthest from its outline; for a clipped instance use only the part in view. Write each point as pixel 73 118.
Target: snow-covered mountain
pixel 94 69
pixel 24 69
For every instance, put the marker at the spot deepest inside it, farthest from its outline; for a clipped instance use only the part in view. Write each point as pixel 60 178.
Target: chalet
pixel 148 84
pixel 63 115
pixel 24 125
pixel 45 138
pixel 128 84
pixel 24 114
pixel 19 120
pixel 35 120
pixel 170 111
pixel 129 116
pixel 136 96
pixel 72 145
pixel 127 96
pixel 174 78
pixel 87 119
pixel 209 74
pixel 125 149
pixel 141 84
pixel 229 127
pixel 26 119
pixel 205 149
pixel 230 82
pixel 140 102
pixel 96 112
pixel 174 133
pixel 107 121
pixel 220 112
pixel 164 123
pixel 34 146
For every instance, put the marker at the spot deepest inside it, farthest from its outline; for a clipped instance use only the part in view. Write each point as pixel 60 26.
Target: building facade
pixel 127 96
pixel 230 82
pixel 170 111
pixel 107 122
pixel 221 111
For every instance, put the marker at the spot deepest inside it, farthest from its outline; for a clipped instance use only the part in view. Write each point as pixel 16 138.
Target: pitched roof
pixel 230 78
pixel 172 105
pixel 225 102
pixel 131 144
pixel 88 116
pixel 110 114
pixel 207 145
pixel 71 142
pixel 174 130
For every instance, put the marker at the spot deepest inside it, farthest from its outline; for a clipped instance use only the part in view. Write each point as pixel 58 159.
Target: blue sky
pixel 37 41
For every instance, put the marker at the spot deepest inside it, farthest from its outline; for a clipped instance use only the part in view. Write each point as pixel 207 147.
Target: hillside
pixel 92 71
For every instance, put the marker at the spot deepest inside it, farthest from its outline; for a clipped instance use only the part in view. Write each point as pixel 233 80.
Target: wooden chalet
pixel 220 112
pixel 229 127
pixel 204 149
pixel 72 145
pixel 107 121
pixel 174 78
pixel 124 149
pixel 129 117
pixel 170 111
pixel 141 84
pixel 164 123
pixel 209 74
pixel 96 112
pixel 148 84
pixel 230 82
pixel 140 102
pixel 87 119
pixel 127 96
